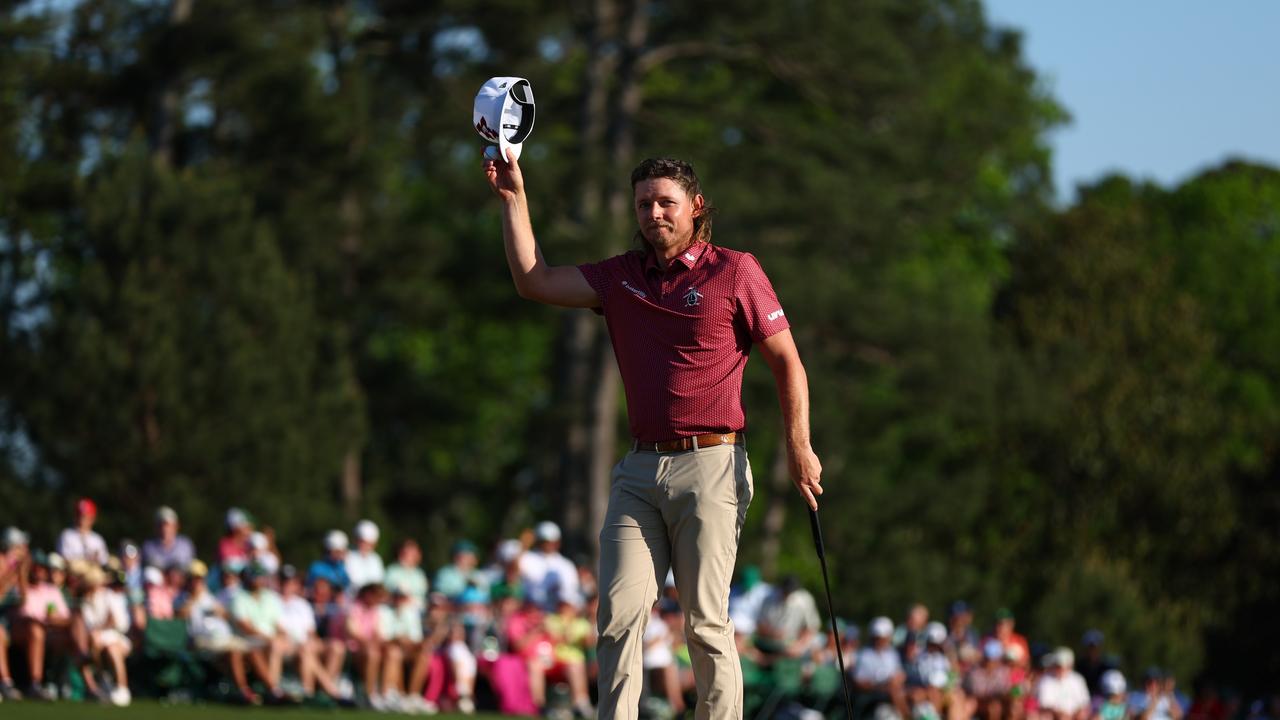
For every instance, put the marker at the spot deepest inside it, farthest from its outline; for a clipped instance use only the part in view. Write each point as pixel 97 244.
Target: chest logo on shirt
pixel 637 291
pixel 692 298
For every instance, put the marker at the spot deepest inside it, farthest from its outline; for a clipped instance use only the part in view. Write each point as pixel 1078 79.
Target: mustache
pixel 653 225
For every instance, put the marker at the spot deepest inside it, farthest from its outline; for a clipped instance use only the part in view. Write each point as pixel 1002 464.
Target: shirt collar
pixel 688 258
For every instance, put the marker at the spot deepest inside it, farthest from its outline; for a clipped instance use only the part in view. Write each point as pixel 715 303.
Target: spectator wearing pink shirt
pixel 13 571
pixel 159 594
pixel 43 623
pixel 234 548
pixel 366 639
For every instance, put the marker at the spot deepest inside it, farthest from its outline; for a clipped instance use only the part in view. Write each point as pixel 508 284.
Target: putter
pixel 835 633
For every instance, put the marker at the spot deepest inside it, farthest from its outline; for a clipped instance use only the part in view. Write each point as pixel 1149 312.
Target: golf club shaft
pixel 826 583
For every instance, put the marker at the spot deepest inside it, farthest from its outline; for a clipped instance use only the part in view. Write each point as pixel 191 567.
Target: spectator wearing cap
pixel 262 551
pixel 879 676
pixel 256 613
pixel 364 566
pixel 332 568
pixel 1158 699
pixel 1062 693
pixel 14 567
pixel 81 542
pixel 1007 635
pixel 505 579
pixel 962 640
pixel 405 575
pixel 1092 664
pixel 1115 703
pixel 160 595
pixel 168 548
pixel 105 617
pixel 461 571
pixel 788 621
pixel 929 675
pixel 233 547
pixel 209 627
pixel 544 572
pixel 297 627
pixel 43 624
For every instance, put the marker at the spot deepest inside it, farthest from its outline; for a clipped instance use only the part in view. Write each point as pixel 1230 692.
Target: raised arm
pixel 561 285
pixel 780 353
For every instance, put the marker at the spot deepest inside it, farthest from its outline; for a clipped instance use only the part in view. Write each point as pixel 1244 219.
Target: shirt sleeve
pixel 758 304
pixel 597 276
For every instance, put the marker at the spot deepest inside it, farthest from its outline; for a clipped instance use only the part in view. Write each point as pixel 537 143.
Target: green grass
pixel 147 710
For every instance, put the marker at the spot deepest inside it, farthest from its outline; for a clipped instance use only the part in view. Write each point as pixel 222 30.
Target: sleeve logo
pixel 775 315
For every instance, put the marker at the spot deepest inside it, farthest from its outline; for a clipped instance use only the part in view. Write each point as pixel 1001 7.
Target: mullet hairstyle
pixel 684 176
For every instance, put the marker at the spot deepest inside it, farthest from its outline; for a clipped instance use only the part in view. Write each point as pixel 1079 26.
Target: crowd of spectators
pixel 514 635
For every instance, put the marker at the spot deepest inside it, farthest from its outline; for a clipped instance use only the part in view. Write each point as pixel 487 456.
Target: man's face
pixel 665 212
pixel 168 530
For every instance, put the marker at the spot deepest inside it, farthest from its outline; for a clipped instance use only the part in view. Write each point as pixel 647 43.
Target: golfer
pixel 682 314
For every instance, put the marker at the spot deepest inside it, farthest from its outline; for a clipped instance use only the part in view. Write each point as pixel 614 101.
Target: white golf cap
pixel 547 531
pixel 166 514
pixel 503 113
pixel 1065 657
pixel 509 550
pixel 237 518
pixel 367 531
pixel 258 541
pixel 153 576
pixel 1112 682
pixel 335 540
pixel 14 537
pixel 881 627
pixel 936 632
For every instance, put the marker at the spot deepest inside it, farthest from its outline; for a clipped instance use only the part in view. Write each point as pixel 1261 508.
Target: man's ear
pixel 698 203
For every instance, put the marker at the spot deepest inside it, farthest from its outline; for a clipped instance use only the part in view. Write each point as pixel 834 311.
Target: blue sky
pixel 1156 90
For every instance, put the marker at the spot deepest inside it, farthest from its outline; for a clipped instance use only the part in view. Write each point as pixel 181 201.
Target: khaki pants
pixel 682 510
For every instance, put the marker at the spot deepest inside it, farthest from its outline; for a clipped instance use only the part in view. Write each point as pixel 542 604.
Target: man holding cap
pixel 168 549
pixel 683 315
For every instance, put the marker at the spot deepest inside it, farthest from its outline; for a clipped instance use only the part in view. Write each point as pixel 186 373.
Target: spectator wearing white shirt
pixel 1062 693
pixel 788 621
pixel 364 566
pixel 297 624
pixel 81 542
pixel 878 675
pixel 209 627
pixel 105 616
pixel 168 548
pixel 545 573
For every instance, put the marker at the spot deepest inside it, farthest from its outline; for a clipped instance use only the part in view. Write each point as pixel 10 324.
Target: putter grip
pixel 817 534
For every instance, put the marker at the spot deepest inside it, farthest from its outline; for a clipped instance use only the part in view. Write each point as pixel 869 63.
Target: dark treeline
pixel 247 258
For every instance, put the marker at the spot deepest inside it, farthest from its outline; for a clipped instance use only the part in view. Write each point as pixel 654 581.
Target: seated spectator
pixel 988 683
pixel 745 600
pixel 366 640
pixel 232 584
pixel 962 640
pixel 159 594
pixel 331 620
pixel 364 565
pixel 658 657
pixel 1158 699
pixel 527 637
pixel 168 548
pixel 43 624
pixel 256 612
pixel 81 542
pixel 453 578
pixel 14 567
pixel 263 553
pixel 879 677
pixel 569 631
pixel 544 572
pixel 788 622
pixel 233 547
pixel 451 676
pixel 1061 693
pixel 105 616
pixel 332 568
pixel 913 627
pixel 402 627
pixel 209 626
pixel 406 576
pixel 929 678
pixel 1115 704
pixel 1007 635
pixel 297 624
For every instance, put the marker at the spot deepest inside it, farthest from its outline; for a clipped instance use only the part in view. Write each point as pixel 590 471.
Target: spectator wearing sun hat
pixel 80 542
pixel 168 548
pixel 333 566
pixel 364 566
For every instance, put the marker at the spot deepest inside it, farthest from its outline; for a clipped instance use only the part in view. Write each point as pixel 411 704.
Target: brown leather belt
pixel 691 443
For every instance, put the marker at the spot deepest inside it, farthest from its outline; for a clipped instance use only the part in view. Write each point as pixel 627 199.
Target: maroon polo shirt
pixel 682 336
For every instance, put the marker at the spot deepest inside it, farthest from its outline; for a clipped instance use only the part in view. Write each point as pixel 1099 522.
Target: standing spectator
pixel 364 566
pixel 788 621
pixel 1157 701
pixel 1092 664
pixel 256 611
pixel 453 578
pixel 297 624
pixel 1115 704
pixel 209 626
pixel 81 542
pixel 43 624
pixel 405 575
pixel 168 548
pixel 988 683
pixel 545 573
pixel 105 617
pixel 879 676
pixel 14 567
pixel 233 548
pixel 1061 693
pixel 1007 635
pixel 332 568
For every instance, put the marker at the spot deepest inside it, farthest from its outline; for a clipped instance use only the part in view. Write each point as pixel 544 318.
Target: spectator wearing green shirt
pixel 453 579
pixel 405 575
pixel 257 611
